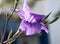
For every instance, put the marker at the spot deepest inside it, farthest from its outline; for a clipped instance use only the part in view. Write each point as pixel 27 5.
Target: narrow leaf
pixel 14 37
pixel 46 17
pixel 10 34
pixel 53 21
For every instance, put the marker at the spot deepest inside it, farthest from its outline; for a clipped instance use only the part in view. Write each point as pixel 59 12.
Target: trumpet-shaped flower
pixel 30 23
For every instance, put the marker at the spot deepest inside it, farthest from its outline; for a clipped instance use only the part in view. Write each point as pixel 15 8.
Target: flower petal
pixel 43 27
pixel 36 17
pixel 20 13
pixel 30 28
pixel 26 10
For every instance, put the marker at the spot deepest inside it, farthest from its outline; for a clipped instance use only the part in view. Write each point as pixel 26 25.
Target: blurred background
pixel 39 7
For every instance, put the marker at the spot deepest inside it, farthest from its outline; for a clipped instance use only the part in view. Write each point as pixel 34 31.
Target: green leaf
pixel 53 21
pixel 46 17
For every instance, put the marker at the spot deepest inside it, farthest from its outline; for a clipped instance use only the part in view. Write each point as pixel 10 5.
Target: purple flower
pixel 30 22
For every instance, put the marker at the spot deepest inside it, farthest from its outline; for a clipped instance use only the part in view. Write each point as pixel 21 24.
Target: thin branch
pixel 13 38
pixel 7 20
